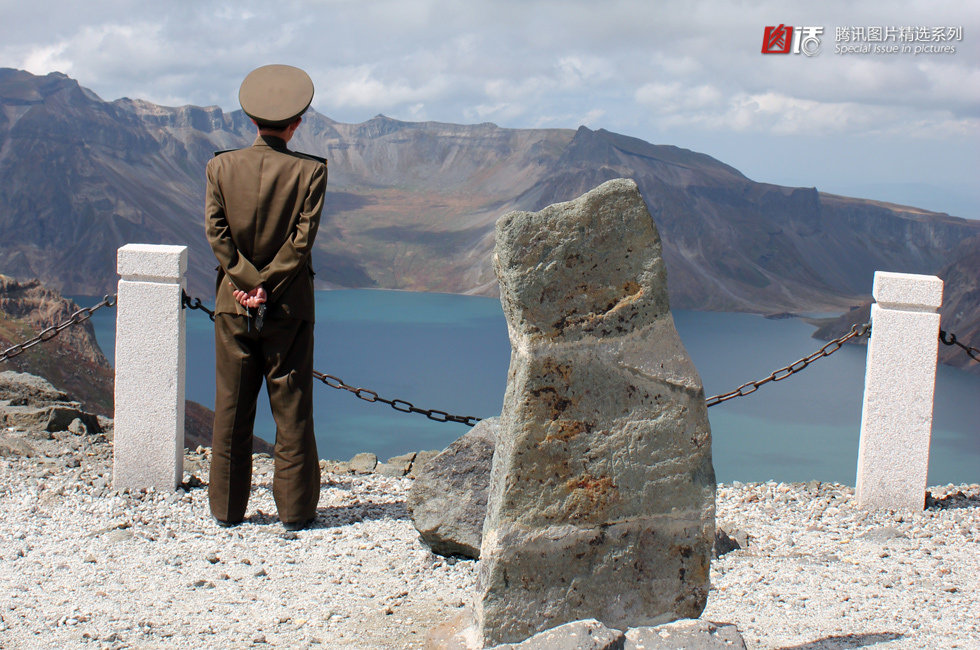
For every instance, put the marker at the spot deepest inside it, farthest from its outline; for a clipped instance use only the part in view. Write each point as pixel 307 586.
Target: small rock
pixel 387 469
pixel 338 467
pixel 191 483
pixel 693 634
pixel 740 537
pixel 213 558
pixel 60 418
pixel 13 446
pixel 724 543
pixel 421 460
pixel 116 536
pixel 90 559
pixel 881 534
pixel 587 634
pixel 403 462
pixel 364 463
pixel 78 427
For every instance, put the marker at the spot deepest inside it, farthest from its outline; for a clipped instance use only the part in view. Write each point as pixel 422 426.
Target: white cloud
pixel 593 117
pixel 654 70
pixel 361 88
pixel 47 58
pixel 675 97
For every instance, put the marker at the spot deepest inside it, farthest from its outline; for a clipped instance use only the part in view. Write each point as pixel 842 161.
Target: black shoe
pixel 294 526
pixel 226 524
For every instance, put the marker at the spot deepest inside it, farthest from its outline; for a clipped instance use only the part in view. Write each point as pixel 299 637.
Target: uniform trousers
pixel 282 354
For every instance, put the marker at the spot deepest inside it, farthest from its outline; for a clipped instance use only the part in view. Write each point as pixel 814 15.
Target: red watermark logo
pixel 777 40
pixel 797 40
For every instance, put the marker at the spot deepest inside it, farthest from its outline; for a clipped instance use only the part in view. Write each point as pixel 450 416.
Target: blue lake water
pixel 451 352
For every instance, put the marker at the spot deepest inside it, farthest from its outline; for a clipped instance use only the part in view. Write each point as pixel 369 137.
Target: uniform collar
pixel 270 141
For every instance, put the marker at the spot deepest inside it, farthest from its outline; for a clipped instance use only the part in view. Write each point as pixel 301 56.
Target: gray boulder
pixel 448 500
pixel 47 418
pixel 16 446
pixel 686 635
pixel 22 388
pixel 601 501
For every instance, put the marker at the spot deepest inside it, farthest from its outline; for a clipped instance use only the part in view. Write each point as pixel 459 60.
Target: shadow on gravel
pixel 840 642
pixel 336 516
pixel 952 501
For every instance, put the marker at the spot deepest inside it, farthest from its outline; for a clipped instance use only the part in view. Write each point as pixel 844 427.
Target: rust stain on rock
pixel 565 430
pixel 551 401
pixel 590 496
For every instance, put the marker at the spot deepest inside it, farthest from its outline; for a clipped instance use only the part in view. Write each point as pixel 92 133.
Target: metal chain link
pixel 187 303
pixel 950 339
pixel 404 406
pixel 400 405
pixel 365 394
pixel 49 333
pixel 778 375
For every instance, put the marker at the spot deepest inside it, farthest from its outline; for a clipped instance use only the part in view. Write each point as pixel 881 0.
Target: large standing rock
pixel 448 500
pixel 601 501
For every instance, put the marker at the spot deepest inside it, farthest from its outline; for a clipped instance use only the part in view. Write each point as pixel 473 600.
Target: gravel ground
pixel 819 573
pixel 82 566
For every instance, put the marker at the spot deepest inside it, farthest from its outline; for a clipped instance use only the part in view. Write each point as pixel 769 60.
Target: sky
pixel 894 126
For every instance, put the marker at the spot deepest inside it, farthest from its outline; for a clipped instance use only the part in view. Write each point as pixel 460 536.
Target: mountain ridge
pixel 411 205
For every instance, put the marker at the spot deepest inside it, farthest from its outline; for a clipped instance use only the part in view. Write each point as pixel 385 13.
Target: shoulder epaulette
pixel 319 159
pixel 316 158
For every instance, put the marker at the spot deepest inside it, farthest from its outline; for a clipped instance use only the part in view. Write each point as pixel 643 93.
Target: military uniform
pixel 262 210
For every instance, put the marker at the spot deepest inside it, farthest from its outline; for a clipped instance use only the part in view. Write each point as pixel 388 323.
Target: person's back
pixel 266 189
pixel 262 211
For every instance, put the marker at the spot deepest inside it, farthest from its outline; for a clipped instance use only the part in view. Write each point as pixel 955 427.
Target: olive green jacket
pixel 262 210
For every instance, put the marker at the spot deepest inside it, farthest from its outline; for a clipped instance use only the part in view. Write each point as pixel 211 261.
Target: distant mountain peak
pixel 411 205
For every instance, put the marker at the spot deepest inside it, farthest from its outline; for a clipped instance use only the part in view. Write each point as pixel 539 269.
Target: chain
pixel 187 303
pixel 361 393
pixel 793 368
pixel 404 406
pixel 397 404
pixel 49 333
pixel 950 339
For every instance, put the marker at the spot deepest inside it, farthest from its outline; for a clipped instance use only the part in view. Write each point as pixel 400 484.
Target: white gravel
pixel 82 567
pixel 819 573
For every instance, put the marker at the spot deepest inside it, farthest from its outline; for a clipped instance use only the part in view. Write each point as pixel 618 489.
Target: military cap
pixel 275 95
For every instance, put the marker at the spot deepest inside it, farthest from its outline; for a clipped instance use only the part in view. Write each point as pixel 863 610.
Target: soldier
pixel 262 210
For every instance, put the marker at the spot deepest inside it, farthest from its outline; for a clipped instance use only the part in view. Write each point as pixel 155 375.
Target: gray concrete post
pixel 150 361
pixel 900 379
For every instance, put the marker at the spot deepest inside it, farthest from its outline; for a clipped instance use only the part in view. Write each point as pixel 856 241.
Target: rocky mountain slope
pixel 72 361
pixel 958 314
pixel 412 205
